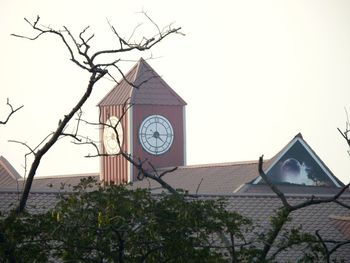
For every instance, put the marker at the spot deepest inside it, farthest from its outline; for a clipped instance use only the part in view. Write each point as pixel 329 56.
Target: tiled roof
pixel 223 178
pixel 342 223
pixel 316 217
pixel 259 208
pixel 152 89
pixel 38 201
pixel 48 183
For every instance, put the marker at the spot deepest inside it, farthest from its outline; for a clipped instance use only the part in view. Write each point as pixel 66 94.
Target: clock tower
pixel 152 128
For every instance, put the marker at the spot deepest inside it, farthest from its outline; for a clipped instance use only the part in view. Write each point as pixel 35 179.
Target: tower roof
pixel 151 89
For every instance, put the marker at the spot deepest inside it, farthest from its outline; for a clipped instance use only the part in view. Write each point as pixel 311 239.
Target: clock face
pixel 156 134
pixel 110 137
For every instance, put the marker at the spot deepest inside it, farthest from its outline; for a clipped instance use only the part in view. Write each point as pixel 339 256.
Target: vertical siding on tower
pixel 115 168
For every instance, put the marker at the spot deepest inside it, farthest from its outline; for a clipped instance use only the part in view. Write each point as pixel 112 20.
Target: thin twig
pixel 12 111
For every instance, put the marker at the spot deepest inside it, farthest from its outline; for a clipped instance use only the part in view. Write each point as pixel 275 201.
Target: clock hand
pixel 156 134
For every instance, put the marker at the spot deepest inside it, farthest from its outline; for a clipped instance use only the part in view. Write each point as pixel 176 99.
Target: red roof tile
pixel 152 89
pixel 222 178
pixel 8 174
pixel 342 223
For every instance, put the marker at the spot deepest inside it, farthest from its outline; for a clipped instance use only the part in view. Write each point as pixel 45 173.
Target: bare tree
pixel 81 55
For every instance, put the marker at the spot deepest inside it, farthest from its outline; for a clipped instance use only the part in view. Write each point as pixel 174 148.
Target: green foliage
pixel 21 238
pixel 296 238
pixel 114 224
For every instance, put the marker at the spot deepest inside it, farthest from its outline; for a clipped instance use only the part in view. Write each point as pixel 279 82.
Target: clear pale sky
pixel 254 74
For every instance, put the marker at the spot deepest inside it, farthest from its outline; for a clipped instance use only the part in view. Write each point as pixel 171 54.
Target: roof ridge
pixel 12 190
pixel 340 218
pixel 137 72
pixel 221 164
pixel 62 176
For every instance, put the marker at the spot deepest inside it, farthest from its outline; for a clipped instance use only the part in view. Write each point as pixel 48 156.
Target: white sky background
pixel 254 74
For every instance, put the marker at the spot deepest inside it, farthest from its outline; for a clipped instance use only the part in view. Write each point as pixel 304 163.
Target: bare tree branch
pixel 345 133
pixel 273 187
pixel 12 111
pixel 168 171
pixel 32 151
pixel 309 202
pixel 159 31
pixel 126 46
pixel 134 31
pixel 336 245
pixel 313 201
pixel 326 251
pixel 42 151
pixel 49 30
pixel 137 163
pixel 342 204
pixel 148 174
pixel 199 185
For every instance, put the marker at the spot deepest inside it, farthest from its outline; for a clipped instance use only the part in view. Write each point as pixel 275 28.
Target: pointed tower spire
pixel 150 89
pixel 152 129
